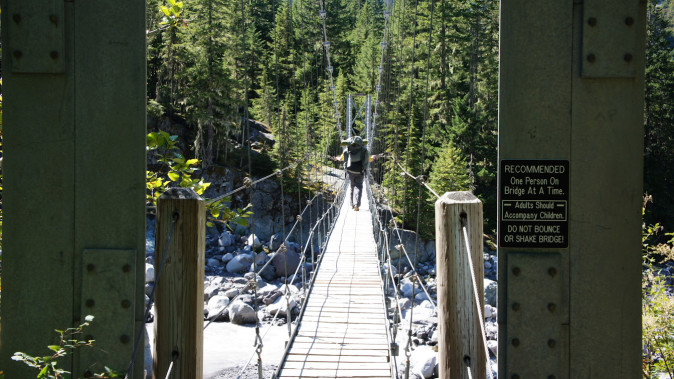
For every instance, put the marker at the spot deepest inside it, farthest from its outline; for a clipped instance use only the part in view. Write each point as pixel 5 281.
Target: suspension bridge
pixel 350 315
pixel 343 330
pixel 571 92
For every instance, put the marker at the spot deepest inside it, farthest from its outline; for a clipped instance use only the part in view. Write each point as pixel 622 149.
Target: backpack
pixel 354 160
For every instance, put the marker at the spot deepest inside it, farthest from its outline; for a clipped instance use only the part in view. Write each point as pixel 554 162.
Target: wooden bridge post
pixel 179 303
pixel 459 342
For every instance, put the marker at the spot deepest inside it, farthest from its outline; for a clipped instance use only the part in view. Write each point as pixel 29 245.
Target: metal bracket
pixel 610 32
pixel 534 339
pixel 108 293
pixel 36 36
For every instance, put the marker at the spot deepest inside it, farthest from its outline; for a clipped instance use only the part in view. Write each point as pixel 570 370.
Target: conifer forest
pixel 213 63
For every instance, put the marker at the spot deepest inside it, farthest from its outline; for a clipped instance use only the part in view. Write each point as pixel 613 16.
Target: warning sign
pixel 534 201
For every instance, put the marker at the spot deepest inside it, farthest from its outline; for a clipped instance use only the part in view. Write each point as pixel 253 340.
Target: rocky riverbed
pixel 231 306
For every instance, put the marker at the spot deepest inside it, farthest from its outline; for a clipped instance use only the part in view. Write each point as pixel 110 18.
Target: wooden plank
pixel 343 331
pixel 333 352
pixel 335 310
pixel 338 365
pixel 381 339
pixel 344 319
pixel 350 334
pixel 344 308
pixel 337 373
pixel 328 358
pixel 340 347
pixel 340 327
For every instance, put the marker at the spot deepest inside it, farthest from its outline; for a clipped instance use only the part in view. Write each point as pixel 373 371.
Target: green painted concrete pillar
pixel 74 181
pixel 570 151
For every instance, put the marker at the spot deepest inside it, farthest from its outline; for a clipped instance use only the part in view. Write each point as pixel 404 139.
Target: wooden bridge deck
pixel 343 332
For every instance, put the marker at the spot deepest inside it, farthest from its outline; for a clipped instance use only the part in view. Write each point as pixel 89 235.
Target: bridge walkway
pixel 343 331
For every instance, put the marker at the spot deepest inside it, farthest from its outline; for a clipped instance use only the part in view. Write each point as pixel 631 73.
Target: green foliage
pixel 449 172
pixel 659 116
pixel 154 109
pixel 657 302
pixel 653 251
pixel 177 170
pixel 48 365
pixel 172 13
pixel 657 326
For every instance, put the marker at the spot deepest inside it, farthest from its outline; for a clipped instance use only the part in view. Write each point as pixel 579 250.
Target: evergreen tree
pixel 209 99
pixel 659 112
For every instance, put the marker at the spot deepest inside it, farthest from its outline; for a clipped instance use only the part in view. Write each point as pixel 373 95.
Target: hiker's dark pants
pixel 356 181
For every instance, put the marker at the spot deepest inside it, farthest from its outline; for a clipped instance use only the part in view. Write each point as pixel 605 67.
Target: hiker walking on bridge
pixel 356 158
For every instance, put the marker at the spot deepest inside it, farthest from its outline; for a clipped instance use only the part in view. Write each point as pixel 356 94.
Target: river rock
pixel 424 360
pixel 404 303
pixel 424 313
pixel 232 293
pixel 271 297
pixel 212 262
pixel 385 270
pixel 227 257
pixel 489 312
pixel 275 241
pixel 421 296
pixel 429 248
pixel 285 263
pixel 260 258
pixel 264 291
pixel 282 305
pixel 210 291
pixel 241 313
pixel 253 241
pixel 491 330
pixel 216 306
pixel 407 286
pixel 149 273
pixel 493 347
pixel 240 263
pixel 407 238
pixel 490 291
pixel 269 273
pixel 226 239
pixel 258 279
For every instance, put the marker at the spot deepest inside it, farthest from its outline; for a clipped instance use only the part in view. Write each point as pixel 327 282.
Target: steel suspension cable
pixel 423 126
pixel 475 293
pixel 408 148
pixel 258 340
pixel 410 122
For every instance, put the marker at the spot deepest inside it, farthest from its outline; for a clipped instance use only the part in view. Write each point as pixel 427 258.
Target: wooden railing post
pixel 460 341
pixel 179 295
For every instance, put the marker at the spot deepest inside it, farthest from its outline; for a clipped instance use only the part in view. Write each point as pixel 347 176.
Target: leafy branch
pixel 176 170
pixel 68 342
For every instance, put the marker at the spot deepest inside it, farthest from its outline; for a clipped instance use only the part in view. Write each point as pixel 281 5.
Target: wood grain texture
pixel 458 320
pixel 179 292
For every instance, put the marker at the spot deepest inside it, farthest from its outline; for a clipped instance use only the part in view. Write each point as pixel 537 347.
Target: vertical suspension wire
pixel 407 159
pixel 471 267
pixel 401 18
pixel 281 131
pixel 423 133
pixel 258 344
pixel 410 122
